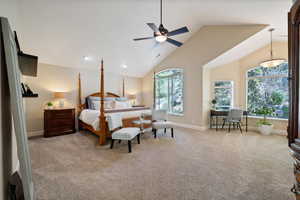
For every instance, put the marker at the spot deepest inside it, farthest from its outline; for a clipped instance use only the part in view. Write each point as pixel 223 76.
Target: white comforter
pixel 91 117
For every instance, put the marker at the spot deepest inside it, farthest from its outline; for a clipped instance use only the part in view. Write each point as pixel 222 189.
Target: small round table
pixel 141 123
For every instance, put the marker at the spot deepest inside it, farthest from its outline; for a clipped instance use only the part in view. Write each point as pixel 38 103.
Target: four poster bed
pixel 94 119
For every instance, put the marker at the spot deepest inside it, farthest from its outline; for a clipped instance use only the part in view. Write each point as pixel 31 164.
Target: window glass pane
pixel 223 84
pixel 269 92
pixel 169 90
pixel 177 94
pixel 162 93
pixel 168 72
pixel 271 71
pixel 223 97
pixel 223 94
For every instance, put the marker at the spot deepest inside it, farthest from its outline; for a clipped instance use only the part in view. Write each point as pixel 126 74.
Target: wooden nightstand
pixel 59 121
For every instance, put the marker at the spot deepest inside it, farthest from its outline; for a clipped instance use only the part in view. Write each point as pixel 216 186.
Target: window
pixel 223 91
pixel 169 90
pixel 268 87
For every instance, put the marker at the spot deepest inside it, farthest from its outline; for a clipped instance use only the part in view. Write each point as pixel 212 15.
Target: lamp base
pixel 61 104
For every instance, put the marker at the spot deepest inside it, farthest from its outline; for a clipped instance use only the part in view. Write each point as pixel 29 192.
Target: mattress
pixel 91 117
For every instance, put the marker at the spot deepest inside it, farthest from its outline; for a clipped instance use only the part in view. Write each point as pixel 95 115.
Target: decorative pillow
pixel 108 104
pixel 121 99
pixel 93 105
pixel 122 104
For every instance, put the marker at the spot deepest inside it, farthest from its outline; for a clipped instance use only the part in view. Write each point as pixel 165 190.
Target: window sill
pixel 176 114
pixel 269 118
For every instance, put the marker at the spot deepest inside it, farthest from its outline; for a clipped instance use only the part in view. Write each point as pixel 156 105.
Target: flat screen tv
pixel 27 63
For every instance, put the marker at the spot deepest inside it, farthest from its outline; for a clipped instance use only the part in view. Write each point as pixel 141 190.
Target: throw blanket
pixel 91 117
pixel 114 121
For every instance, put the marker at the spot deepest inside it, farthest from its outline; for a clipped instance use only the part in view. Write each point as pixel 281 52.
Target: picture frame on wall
pixel 17 108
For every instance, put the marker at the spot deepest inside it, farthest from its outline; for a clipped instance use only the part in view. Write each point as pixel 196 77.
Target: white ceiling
pixel 62 32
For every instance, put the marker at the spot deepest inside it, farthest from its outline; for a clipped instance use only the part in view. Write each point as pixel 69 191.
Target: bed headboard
pixel 97 94
pixel 107 94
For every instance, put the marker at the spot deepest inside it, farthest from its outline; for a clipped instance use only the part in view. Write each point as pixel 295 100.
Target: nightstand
pixel 59 121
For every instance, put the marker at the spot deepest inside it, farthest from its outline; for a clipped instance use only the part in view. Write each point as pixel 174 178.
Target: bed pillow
pixel 94 102
pixel 122 104
pixel 121 99
pixel 95 105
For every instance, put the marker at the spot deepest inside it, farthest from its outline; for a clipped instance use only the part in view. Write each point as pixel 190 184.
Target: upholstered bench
pixel 115 125
pixel 125 134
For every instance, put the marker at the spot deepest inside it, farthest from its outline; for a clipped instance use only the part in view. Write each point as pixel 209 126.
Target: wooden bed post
pixel 79 91
pixel 123 87
pixel 154 91
pixel 102 121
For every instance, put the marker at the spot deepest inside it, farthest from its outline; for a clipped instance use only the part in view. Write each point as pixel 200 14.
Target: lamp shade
pixel 132 96
pixel 272 62
pixel 59 95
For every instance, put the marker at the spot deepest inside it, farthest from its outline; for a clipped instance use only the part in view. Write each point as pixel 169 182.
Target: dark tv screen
pixel 28 64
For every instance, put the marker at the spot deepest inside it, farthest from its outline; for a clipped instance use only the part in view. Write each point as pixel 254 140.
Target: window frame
pixel 230 87
pixel 183 91
pixel 261 77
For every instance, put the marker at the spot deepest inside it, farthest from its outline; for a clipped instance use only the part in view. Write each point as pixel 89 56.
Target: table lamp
pixel 60 96
pixel 132 97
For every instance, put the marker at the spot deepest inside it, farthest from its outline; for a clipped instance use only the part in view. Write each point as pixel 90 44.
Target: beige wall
pixel 62 79
pixel 236 71
pixel 207 44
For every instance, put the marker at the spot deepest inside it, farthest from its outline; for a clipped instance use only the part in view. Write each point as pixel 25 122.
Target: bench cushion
pixel 125 134
pixel 162 124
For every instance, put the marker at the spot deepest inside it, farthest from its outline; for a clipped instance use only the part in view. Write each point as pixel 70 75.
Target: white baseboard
pixel 190 126
pixel 35 133
pixel 204 128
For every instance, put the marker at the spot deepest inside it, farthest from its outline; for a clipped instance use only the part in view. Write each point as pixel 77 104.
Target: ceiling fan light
pixel 272 62
pixel 161 38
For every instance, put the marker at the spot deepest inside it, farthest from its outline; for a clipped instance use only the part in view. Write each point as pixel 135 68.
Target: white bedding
pixel 91 117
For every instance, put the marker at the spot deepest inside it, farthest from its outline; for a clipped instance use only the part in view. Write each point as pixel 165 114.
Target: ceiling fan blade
pixel 153 27
pixel 145 38
pixel 174 42
pixel 178 31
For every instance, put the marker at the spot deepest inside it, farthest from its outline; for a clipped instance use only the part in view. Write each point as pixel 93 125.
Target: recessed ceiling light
pixel 124 66
pixel 86 58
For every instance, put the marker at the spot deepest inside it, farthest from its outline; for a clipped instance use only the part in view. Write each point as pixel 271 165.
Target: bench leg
pixel 112 143
pixel 172 132
pixel 138 139
pixel 129 146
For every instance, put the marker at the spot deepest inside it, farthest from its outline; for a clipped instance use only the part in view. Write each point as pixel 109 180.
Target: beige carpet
pixel 193 166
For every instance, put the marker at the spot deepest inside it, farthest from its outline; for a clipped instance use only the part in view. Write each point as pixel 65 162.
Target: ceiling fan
pixel 161 34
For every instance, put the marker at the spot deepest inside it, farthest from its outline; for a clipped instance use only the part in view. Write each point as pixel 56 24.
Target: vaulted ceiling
pixel 62 32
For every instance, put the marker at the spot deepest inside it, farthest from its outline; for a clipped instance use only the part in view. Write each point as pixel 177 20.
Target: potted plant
pixel 264 126
pixel 214 102
pixel 50 105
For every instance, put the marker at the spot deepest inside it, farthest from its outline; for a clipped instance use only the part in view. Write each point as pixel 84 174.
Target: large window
pixel 169 90
pixel 223 92
pixel 268 87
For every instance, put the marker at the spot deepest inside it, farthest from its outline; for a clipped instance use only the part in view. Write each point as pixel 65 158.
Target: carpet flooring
pixel 194 165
